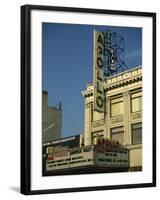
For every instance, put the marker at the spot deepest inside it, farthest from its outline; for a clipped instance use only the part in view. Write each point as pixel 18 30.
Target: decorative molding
pixel 136 116
pixel 108 87
pixel 117 120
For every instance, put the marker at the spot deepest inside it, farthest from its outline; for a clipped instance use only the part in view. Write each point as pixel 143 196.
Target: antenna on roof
pixel 113 54
pixel 59 106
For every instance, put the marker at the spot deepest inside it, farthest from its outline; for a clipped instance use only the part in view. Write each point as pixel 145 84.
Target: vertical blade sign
pixel 98 71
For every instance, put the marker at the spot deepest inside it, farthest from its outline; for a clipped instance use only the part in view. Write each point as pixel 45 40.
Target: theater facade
pixel 122 116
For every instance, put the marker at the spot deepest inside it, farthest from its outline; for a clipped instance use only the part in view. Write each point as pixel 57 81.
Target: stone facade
pixel 51 120
pixel 122 119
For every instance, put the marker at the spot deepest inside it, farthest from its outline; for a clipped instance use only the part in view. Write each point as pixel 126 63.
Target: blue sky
pixel 67 57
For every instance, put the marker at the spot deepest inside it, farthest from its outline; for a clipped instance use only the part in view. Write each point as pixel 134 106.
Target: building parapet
pixel 118 80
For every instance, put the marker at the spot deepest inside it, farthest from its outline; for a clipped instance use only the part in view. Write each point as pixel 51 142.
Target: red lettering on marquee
pixel 113 143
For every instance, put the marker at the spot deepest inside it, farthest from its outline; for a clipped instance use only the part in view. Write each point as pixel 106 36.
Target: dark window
pixel 137 133
pixel 96 136
pixel 117 134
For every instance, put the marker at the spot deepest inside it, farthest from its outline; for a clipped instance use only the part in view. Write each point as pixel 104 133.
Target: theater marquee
pixel 98 71
pixel 89 165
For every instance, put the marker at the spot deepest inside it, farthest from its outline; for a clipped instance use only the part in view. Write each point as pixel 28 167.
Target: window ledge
pixel 135 146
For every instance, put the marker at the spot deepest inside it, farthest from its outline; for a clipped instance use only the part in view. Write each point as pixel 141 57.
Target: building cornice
pixel 119 80
pixel 118 84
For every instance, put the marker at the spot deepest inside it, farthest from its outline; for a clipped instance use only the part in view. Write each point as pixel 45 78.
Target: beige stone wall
pixel 121 85
pixel 136 156
pixel 87 124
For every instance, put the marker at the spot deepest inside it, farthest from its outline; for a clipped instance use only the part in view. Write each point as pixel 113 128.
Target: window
pixel 117 107
pixel 49 150
pixel 136 102
pixel 117 134
pixel 137 133
pixel 96 136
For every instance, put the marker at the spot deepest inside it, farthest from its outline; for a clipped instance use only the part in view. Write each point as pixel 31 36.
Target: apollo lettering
pixel 98 72
pixel 103 141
